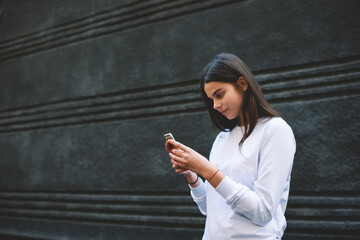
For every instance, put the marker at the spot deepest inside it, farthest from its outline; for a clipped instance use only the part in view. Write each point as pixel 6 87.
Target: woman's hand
pixel 177 168
pixel 184 158
pixel 188 162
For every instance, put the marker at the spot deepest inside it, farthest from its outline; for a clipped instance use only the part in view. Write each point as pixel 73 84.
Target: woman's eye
pixel 220 95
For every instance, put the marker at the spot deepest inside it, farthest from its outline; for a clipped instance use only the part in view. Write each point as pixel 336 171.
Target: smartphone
pixel 169 136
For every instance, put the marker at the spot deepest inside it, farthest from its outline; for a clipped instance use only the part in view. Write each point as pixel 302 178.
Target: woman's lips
pixel 224 112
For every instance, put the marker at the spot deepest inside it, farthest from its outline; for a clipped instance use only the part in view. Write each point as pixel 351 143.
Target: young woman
pixel 248 175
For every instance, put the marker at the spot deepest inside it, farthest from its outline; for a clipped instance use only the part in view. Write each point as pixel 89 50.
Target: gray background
pixel 88 88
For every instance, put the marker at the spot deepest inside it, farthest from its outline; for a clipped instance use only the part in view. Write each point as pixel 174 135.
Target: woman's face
pixel 227 98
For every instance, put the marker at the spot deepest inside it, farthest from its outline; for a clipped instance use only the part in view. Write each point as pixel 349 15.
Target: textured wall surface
pixel 88 88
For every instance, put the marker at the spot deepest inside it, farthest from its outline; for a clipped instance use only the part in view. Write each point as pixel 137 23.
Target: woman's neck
pixel 241 120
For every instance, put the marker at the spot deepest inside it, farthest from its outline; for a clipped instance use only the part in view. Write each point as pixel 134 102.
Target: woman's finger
pixel 177 164
pixel 173 156
pixel 168 146
pixel 181 170
pixel 178 152
pixel 176 158
pixel 176 167
pixel 178 145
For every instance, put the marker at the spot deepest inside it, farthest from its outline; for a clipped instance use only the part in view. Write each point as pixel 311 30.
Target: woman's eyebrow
pixel 216 92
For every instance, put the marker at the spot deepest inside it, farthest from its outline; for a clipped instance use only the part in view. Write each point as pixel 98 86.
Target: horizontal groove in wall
pixel 303 234
pixel 77 23
pixel 128 103
pixel 15 236
pixel 95 197
pixel 178 98
pixel 312 83
pixel 120 19
pixel 154 208
pixel 316 213
pixel 121 219
pixel 323 200
pixel 72 116
pixel 320 224
pixel 323 228
pixel 105 117
pixel 147 209
pixel 102 99
pixel 115 215
pixel 293 72
pixel 155 114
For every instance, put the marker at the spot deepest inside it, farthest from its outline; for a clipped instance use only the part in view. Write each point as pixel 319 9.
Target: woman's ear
pixel 242 83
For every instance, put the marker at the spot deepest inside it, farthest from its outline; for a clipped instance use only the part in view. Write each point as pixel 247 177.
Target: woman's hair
pixel 228 68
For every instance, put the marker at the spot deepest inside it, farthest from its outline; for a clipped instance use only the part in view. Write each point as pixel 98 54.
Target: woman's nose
pixel 216 105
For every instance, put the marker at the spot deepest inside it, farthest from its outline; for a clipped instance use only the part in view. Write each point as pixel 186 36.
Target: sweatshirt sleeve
pixel 199 196
pixel 275 163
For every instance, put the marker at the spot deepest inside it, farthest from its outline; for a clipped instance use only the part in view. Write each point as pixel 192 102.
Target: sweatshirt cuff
pixel 228 187
pixel 199 192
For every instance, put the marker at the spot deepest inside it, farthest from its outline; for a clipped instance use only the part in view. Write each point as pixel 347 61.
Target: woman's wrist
pixel 191 177
pixel 213 175
pixel 208 171
pixel 194 182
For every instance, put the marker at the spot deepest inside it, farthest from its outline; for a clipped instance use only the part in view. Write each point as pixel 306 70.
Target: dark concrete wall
pixel 88 88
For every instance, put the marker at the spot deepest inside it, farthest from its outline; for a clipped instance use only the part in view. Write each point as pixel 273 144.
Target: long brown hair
pixel 227 67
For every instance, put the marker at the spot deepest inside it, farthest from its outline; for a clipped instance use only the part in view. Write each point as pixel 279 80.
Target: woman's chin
pixel 231 117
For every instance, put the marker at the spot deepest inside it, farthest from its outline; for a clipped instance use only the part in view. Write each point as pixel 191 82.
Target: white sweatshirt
pixel 251 200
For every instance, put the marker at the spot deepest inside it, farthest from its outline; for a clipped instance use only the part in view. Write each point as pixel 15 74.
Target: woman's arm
pixel 275 163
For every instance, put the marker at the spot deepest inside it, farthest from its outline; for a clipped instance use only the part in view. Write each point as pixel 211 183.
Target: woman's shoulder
pixel 277 126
